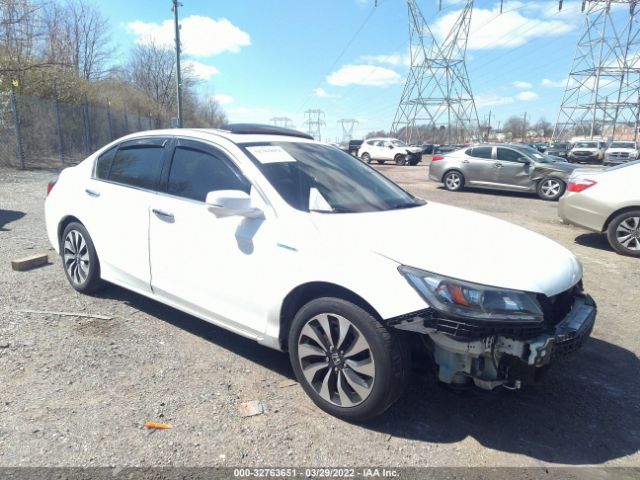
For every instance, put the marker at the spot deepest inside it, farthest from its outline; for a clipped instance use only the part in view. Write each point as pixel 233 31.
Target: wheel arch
pixel 616 213
pixel 66 220
pixel 452 169
pixel 303 294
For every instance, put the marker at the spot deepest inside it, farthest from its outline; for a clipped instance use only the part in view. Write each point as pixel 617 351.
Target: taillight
pixel 580 184
pixel 437 158
pixel 51 184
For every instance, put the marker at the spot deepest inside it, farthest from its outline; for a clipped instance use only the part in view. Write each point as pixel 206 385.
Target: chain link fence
pixel 39 133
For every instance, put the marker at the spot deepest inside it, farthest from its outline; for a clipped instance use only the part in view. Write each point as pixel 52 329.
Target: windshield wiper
pixel 400 206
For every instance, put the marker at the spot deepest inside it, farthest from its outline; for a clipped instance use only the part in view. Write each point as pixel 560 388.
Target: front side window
pixel 313 177
pixel 508 155
pixel 137 165
pixel 194 173
pixel 482 152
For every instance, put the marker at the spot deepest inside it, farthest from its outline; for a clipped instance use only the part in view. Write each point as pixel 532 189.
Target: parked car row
pixel 602 200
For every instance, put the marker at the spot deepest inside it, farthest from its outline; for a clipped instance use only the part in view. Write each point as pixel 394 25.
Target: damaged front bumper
pixel 491 354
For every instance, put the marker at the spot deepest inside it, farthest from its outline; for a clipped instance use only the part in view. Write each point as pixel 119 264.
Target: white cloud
pixel 369 75
pixel 490 29
pixel 522 85
pixel 394 59
pixel 322 93
pixel 527 96
pixel 202 71
pixel 552 83
pixel 222 99
pixel 492 100
pixel 200 36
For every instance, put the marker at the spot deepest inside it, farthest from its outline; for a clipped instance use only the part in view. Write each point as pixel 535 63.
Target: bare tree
pixel 19 35
pixel 514 126
pixel 78 36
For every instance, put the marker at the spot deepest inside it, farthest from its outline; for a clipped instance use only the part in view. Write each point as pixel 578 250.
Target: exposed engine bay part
pixel 500 360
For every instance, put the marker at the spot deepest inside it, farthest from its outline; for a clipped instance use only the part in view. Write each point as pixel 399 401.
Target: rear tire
pixel 453 181
pixel 550 188
pixel 623 233
pixel 79 259
pixel 349 364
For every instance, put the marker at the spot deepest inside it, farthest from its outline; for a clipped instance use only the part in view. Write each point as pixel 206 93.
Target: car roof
pixel 251 136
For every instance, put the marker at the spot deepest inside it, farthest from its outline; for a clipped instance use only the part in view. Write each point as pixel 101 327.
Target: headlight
pixel 471 300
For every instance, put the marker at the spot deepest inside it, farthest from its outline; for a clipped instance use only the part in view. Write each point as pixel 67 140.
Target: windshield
pixel 623 145
pixel 320 178
pixel 398 143
pixel 586 145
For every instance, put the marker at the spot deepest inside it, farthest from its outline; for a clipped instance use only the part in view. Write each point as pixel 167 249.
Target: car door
pixel 210 266
pixel 478 166
pixel 119 193
pixel 386 150
pixel 514 169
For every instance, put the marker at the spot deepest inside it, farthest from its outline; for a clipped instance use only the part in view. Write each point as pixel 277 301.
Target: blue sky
pixel 279 58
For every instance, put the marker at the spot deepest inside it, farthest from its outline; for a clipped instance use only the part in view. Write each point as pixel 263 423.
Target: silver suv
pixel 502 167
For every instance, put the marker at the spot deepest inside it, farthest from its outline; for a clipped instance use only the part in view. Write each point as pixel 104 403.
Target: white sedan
pixel 303 248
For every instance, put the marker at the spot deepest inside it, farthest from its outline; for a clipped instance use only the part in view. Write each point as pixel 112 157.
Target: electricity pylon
pixel 314 122
pixel 602 93
pixel 437 92
pixel 348 124
pixel 281 122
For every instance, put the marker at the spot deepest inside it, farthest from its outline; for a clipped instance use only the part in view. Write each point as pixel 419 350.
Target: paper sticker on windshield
pixel 271 154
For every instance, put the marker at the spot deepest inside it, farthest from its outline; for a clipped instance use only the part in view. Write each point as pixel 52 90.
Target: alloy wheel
pixel 628 233
pixel 453 181
pixel 550 188
pixel 76 257
pixel 336 360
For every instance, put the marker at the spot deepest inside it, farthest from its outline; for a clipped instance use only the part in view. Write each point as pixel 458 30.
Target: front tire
pixel 453 181
pixel 79 259
pixel 623 233
pixel 550 188
pixel 350 365
pixel 400 160
pixel 366 158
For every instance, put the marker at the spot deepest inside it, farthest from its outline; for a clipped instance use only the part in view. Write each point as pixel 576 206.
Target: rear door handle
pixel 498 164
pixel 163 215
pixel 91 193
pixel 465 161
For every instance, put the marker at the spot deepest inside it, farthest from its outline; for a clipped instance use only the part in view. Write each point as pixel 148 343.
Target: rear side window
pixel 508 155
pixel 482 152
pixel 194 173
pixel 103 164
pixel 137 166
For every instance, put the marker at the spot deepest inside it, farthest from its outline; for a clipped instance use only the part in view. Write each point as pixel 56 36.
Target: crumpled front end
pixel 498 353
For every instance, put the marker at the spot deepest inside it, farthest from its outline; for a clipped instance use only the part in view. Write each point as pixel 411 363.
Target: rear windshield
pixel 633 164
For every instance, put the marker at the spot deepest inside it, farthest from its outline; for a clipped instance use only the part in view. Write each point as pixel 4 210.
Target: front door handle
pixel 163 215
pixel 498 164
pixel 465 161
pixel 91 193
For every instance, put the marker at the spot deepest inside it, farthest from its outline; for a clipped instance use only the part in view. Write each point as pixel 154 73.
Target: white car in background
pixel 620 152
pixel 295 244
pixel 392 149
pixel 606 201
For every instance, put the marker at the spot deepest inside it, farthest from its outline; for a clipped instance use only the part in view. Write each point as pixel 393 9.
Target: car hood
pixel 558 166
pixel 620 150
pixel 457 243
pixel 411 149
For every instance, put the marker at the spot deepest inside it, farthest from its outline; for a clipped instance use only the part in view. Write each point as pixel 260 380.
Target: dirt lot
pixel 76 391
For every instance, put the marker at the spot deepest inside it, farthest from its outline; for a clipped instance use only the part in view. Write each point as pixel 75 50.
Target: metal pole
pixel 126 121
pixel 109 120
pixel 599 69
pixel 177 4
pixel 87 126
pixel 56 106
pixel 16 121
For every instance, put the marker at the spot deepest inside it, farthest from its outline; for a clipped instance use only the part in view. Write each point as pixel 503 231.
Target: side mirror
pixel 227 203
pixel 390 146
pixel 524 160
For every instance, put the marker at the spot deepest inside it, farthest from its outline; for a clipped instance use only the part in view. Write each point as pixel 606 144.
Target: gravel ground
pixel 76 391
